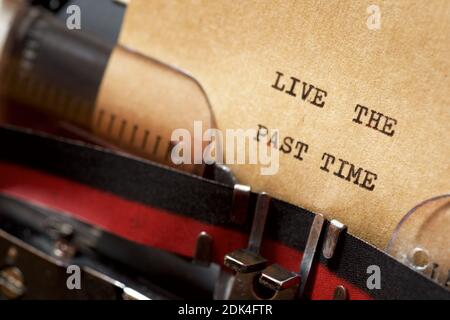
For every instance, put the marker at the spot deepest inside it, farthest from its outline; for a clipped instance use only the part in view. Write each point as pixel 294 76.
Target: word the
pixel 294 87
pixel 348 171
pixel 376 120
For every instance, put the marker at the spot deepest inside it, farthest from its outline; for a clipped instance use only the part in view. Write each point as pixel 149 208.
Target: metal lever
pixel 282 282
pixel 285 283
pixel 335 228
pixel 248 263
pixel 310 251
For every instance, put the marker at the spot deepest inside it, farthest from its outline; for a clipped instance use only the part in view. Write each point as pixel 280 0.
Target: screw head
pixel 12 283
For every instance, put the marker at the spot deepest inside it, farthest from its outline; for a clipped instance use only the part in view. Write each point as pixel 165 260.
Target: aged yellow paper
pixel 366 88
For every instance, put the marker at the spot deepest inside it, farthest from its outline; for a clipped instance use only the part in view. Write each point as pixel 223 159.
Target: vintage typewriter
pixel 91 208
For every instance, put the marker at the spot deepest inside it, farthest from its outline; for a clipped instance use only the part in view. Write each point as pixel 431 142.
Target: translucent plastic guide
pixel 422 239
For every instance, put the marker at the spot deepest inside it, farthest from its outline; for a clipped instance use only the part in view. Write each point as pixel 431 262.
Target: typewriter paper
pixel 365 88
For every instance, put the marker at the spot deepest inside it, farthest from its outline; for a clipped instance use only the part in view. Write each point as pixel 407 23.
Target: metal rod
pixel 310 251
pixel 259 222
